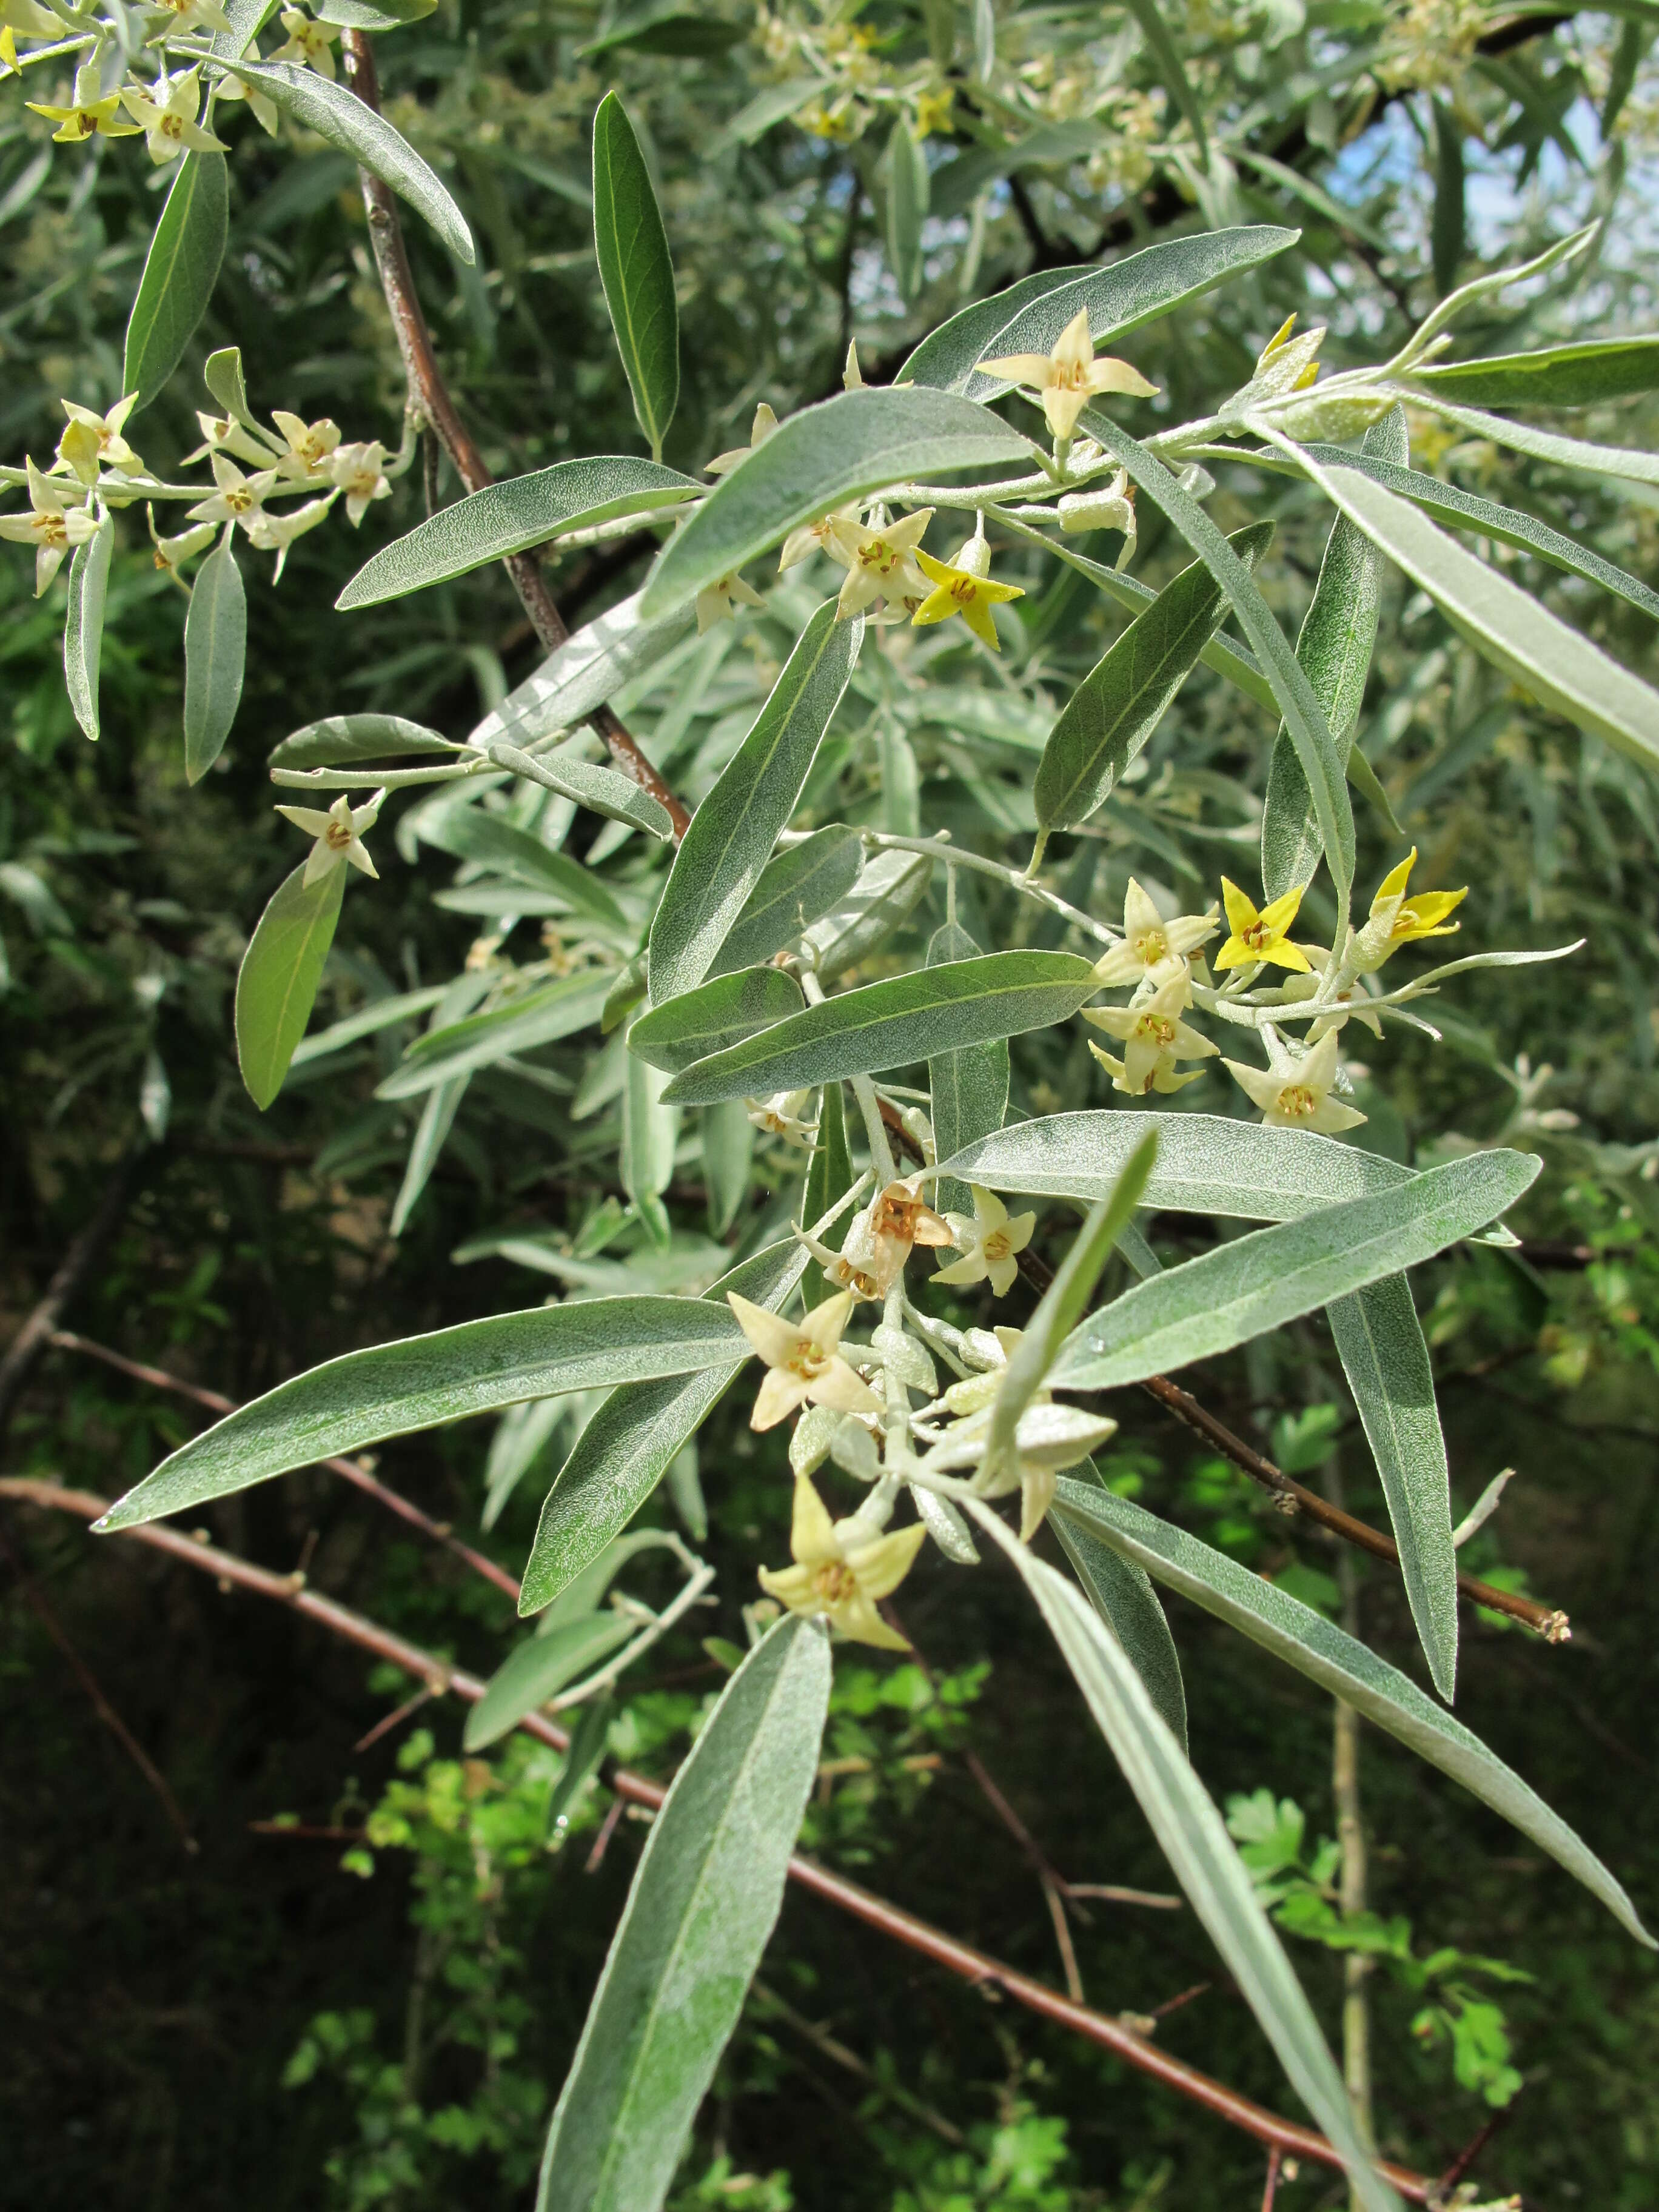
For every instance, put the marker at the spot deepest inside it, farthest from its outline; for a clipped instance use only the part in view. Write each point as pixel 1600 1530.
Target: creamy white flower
pixel 1154 1036
pixel 990 1243
pixel 93 441
pixel 239 497
pixel 168 120
pixel 360 472
pixel 339 834
pixel 841 1567
pixel 1149 944
pixel 1302 1099
pixel 57 520
pixel 715 601
pixel 803 1361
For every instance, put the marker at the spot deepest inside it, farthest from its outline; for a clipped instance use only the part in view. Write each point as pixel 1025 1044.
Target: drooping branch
pixel 433 401
pixel 919 1936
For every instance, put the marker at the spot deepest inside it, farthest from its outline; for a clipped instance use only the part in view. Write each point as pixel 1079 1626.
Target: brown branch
pixel 1549 1623
pixel 36 1597
pixel 353 1471
pixel 891 1920
pixel 35 1334
pixel 433 402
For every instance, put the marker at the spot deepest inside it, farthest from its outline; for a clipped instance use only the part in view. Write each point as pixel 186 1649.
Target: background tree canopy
pixel 312 1887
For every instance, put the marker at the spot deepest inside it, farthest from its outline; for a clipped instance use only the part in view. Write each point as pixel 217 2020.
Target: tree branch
pixel 432 400
pixel 35 1334
pixel 916 1934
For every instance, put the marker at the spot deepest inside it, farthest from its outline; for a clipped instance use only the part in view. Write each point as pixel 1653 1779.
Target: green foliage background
pixel 263 2021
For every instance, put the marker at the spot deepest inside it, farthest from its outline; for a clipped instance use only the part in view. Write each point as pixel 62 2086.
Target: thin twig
pixel 1056 1904
pixel 36 1597
pixel 1275 2158
pixel 839 2055
pixel 1471 2151
pixel 1112 1892
pixel 431 398
pixel 916 1934
pixel 349 1470
pixel 32 1339
pixel 385 1725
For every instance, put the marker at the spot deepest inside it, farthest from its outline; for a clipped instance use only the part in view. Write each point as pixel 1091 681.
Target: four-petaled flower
pixel 810 537
pixel 989 1244
pixel 51 526
pixel 309 45
pixel 802 1361
pixel 1150 943
pixel 962 587
pixel 168 122
pixel 339 835
pixel 784 1115
pixel 87 119
pixel 1068 378
pixel 715 601
pixel 360 472
pixel 194 15
pixel 91 439
pixel 238 498
pixel 842 1569
pixel 1300 1100
pixel 309 444
pixel 760 430
pixel 1396 921
pixel 934 112
pixel 880 563
pixel 1154 1038
pixel 1260 934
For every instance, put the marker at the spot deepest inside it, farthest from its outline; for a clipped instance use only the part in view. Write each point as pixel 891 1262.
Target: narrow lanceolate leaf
pixel 1587 374
pixel 1138 288
pixel 1123 1594
pixel 1205 1163
pixel 349 740
pixel 907 207
pixel 829 1177
pixel 591 665
pixel 601 790
pixel 511 516
pixel 1449 231
pixel 179 274
pixel 795 889
pixel 539 1669
pixel 1464 510
pixel 826 455
pixel 895 1022
pixel 276 983
pixel 1340 1664
pixel 1339 633
pixel 625 1450
pixel 335 112
pixel 716 1016
pixel 471 835
pixel 1321 763
pixel 539 1016
pixel 635 270
pixel 83 627
pixel 729 1155
pixel 1120 702
pixel 704 1903
pixel 1202 1854
pixel 885 895
pixel 477 1367
pixel 967 1090
pixel 1257 1283
pixel 1627 461
pixel 649 1132
pixel 437 1120
pixel 1560 669
pixel 1380 1341
pixel 733 832
pixel 216 648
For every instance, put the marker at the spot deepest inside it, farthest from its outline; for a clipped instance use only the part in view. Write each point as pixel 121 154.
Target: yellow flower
pixel 880 564
pixel 52 525
pixel 962 587
pixel 1068 378
pixel 760 430
pixel 339 835
pixel 1395 921
pixel 169 124
pixel 1300 1100
pixel 840 1571
pixel 1154 1038
pixel 1150 943
pixel 88 118
pixel 989 1244
pixel 309 444
pixel 91 439
pixel 1260 934
pixel 309 45
pixel 196 15
pixel 934 112
pixel 715 601
pixel 802 1361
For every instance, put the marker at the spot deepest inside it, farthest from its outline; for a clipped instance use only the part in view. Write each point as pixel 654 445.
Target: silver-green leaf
pixel 635 270
pixel 276 983
pixel 703 1902
pixel 716 1016
pixel 180 271
pixel 83 626
pixel 538 1669
pixel 733 831
pixel 967 1090
pixel 795 889
pixel 216 648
